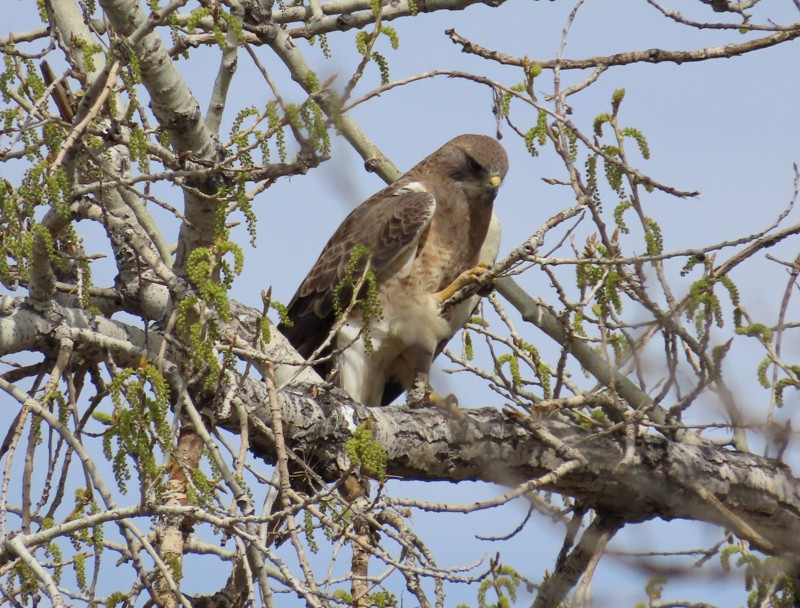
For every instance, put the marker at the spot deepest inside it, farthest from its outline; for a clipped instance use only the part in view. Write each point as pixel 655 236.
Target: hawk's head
pixel 477 162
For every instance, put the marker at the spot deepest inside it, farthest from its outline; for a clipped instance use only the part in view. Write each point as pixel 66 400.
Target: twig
pixel 742 528
pixel 529 247
pixel 15 545
pixel 79 129
pixel 283 468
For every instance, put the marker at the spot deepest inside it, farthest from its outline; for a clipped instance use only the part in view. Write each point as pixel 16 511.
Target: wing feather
pixel 389 225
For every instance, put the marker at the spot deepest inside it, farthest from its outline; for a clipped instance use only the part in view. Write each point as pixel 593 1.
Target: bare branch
pixel 630 57
pixel 569 570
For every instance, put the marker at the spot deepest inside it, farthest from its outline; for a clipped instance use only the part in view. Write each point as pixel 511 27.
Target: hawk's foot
pixel 465 278
pixel 447 405
pixel 417 395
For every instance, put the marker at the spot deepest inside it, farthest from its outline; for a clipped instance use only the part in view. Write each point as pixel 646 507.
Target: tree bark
pixel 757 497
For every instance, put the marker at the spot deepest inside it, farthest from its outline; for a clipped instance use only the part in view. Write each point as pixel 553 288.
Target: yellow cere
pixel 495 180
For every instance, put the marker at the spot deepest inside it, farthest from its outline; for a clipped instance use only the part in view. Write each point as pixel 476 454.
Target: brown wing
pixel 387 225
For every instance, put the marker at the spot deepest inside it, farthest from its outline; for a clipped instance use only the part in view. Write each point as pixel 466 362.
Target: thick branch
pixel 42 286
pixel 359 14
pixel 661 481
pixel 177 112
pixel 756 496
pixel 70 29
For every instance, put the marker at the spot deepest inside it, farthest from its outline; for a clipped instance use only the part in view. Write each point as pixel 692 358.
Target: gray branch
pixel 605 373
pixel 757 497
pixel 177 112
pixel 359 14
pixel 570 569
pixel 741 491
pixel 648 56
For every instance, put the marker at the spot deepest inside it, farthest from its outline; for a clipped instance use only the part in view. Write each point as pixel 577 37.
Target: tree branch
pixel 659 482
pixel 605 373
pixel 648 56
pixel 177 112
pixel 348 15
pixel 426 444
pixel 570 569
pixel 301 73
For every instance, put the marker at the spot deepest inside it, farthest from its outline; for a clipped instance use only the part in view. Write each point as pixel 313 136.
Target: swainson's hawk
pixel 425 235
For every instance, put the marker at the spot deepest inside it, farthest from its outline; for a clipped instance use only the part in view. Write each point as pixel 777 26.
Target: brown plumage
pixel 422 233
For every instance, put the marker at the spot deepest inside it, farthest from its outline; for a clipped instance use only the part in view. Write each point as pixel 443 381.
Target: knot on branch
pixel 344 22
pixel 372 165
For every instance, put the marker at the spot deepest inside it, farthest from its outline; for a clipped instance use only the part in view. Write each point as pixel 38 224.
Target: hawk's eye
pixel 474 166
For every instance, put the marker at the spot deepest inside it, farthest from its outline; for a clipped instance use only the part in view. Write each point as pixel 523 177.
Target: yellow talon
pixel 465 278
pixel 447 405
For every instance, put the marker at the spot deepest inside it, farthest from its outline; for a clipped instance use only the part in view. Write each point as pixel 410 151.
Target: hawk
pixel 420 239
